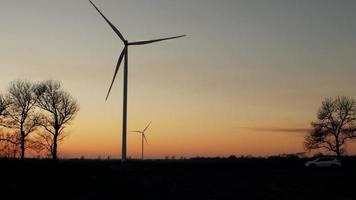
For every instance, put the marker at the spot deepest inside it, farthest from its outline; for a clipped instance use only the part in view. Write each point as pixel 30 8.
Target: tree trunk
pixel 338 153
pixel 54 150
pixel 22 145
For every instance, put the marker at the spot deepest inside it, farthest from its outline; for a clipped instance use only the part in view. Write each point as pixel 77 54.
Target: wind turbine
pixel 143 137
pixel 125 53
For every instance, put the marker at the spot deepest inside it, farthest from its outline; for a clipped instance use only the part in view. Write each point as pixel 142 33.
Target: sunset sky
pixel 247 80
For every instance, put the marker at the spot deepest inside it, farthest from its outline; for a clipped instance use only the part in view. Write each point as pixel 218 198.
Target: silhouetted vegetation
pixel 20 114
pixel 59 110
pixel 198 178
pixel 28 111
pixel 336 124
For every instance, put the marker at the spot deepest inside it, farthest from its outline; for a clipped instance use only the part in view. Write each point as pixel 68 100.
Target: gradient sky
pixel 247 80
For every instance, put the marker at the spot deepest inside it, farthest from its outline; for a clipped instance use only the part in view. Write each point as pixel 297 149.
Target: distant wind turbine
pixel 143 137
pixel 125 53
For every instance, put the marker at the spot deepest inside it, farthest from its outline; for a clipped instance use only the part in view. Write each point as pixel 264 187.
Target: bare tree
pixel 19 114
pixel 61 109
pixel 336 124
pixel 4 104
pixel 8 142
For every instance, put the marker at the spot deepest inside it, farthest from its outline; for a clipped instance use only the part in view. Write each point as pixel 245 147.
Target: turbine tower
pixel 143 137
pixel 123 54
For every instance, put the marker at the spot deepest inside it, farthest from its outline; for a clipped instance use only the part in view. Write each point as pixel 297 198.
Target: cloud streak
pixel 274 129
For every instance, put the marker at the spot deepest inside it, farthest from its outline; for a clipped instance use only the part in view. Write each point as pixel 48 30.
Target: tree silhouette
pixel 19 114
pixel 3 105
pixel 336 124
pixel 9 145
pixel 60 108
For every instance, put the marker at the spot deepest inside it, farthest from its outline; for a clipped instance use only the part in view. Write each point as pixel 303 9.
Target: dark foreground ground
pixel 253 178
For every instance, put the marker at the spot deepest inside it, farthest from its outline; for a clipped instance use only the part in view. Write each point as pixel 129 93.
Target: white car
pixel 324 162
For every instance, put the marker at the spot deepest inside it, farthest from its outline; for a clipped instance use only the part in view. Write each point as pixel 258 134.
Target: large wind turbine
pixel 143 137
pixel 125 53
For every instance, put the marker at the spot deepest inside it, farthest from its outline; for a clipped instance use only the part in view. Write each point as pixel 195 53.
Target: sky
pixel 247 80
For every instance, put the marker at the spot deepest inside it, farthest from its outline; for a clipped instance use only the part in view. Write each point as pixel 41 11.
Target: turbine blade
pixel 144 130
pixel 136 132
pixel 110 24
pixel 144 137
pixel 115 73
pixel 153 41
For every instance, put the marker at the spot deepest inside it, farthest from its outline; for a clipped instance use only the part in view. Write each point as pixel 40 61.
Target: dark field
pixel 245 178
